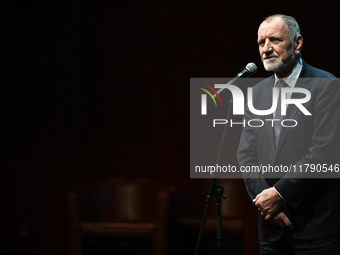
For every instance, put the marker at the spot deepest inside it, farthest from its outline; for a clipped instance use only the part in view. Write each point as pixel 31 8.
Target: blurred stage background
pixel 99 89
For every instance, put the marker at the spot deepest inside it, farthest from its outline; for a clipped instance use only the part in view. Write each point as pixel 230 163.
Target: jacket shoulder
pixel 314 72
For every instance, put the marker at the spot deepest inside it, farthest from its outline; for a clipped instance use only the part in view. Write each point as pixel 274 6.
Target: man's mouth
pixel 269 58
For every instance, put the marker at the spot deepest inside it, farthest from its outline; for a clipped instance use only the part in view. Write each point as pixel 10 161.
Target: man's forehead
pixel 271 28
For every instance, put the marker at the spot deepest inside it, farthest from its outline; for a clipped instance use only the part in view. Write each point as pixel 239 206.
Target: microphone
pixel 250 69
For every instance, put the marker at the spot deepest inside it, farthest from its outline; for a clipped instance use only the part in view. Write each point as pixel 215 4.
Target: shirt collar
pixel 292 78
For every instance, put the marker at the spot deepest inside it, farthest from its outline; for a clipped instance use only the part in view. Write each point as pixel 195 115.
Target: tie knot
pixel 281 83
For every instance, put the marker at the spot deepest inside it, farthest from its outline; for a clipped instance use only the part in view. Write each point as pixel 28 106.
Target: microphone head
pixel 252 68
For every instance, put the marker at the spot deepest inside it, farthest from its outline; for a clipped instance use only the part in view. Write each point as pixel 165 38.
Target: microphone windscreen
pixel 252 68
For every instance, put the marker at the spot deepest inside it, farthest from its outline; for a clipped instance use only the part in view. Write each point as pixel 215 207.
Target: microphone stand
pixel 218 191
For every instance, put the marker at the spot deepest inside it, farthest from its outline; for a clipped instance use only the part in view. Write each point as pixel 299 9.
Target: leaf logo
pixel 208 92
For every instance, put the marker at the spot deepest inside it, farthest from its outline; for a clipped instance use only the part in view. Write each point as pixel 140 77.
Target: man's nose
pixel 267 47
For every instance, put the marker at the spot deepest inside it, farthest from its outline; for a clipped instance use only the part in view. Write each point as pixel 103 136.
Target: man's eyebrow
pixel 260 39
pixel 270 37
pixel 276 37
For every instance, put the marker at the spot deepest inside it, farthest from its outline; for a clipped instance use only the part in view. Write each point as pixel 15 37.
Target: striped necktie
pixel 277 124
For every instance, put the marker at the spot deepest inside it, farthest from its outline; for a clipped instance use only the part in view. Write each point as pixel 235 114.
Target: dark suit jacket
pixel 314 203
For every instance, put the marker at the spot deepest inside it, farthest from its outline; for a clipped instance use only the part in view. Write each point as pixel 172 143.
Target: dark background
pixel 99 89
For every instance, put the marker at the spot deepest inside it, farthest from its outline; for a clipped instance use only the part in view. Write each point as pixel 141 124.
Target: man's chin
pixel 272 67
pixel 269 68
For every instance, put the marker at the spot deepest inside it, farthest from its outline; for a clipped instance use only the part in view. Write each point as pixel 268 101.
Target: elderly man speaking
pixel 296 215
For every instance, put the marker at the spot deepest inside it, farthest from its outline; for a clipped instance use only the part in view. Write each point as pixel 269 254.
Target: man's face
pixel 276 49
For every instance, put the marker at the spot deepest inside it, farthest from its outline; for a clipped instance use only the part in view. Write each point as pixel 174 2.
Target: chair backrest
pixel 118 200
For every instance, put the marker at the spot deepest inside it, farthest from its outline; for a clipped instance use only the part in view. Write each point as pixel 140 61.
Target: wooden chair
pixel 238 217
pixel 119 209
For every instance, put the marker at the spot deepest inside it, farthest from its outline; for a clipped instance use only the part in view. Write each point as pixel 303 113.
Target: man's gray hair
pixel 291 23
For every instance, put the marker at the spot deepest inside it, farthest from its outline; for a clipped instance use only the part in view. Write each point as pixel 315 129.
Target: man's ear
pixel 298 43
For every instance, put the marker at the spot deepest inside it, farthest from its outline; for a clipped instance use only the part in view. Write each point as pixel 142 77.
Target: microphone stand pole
pixel 218 191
